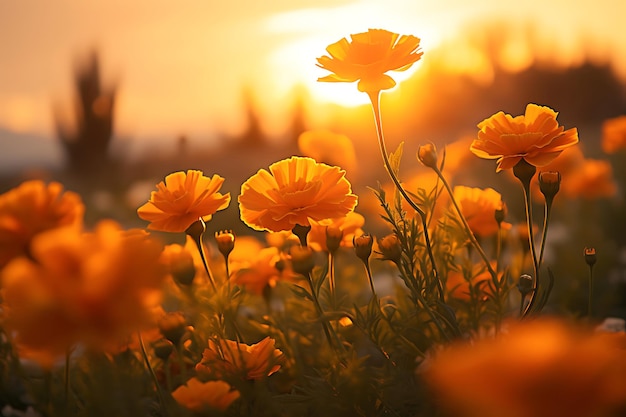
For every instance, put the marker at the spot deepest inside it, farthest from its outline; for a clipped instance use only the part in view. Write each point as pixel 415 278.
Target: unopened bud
pixel 163 349
pixel 363 246
pixel 590 256
pixel 334 236
pixel 225 240
pixel 427 155
pixel 525 285
pixel 549 183
pixel 390 248
pixel 173 326
pixel 500 213
pixel 302 259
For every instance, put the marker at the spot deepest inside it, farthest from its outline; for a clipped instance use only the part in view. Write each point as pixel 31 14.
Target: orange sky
pixel 181 66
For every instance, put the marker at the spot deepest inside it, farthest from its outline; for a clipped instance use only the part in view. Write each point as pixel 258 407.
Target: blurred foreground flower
pixel 535 137
pixel 541 368
pixel 231 359
pixel 367 58
pixel 199 396
pixel 31 208
pixel 293 192
pixel 182 199
pixel 91 288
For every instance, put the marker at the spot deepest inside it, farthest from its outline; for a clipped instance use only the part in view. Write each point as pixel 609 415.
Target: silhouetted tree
pixel 86 144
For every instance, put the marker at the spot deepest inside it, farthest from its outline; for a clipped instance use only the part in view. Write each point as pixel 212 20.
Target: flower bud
pixel 363 246
pixel 163 349
pixel 302 259
pixel 500 213
pixel 225 242
pixel 549 183
pixel 590 256
pixel 334 236
pixel 525 285
pixel 173 326
pixel 390 248
pixel 427 155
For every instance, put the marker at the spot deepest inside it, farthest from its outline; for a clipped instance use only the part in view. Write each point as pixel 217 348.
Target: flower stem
pixel 152 373
pixel 531 242
pixel 375 100
pixel 468 231
pixel 544 233
pixel 590 295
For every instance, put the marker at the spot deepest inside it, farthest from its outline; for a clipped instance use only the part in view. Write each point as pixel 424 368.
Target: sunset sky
pixel 181 67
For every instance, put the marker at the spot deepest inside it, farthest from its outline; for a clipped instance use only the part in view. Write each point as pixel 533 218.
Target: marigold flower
pixel 348 225
pixel 228 358
pixel 329 148
pixel 31 208
pixel 180 263
pixel 479 207
pixel 199 396
pixel 295 191
pixel 182 199
pixel 368 56
pixel 540 368
pixel 614 134
pixel 535 137
pixel 90 288
pixel 260 272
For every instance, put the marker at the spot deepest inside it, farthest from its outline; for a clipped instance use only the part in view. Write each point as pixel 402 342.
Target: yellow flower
pixel 228 358
pixel 479 209
pixel 535 137
pixel 90 288
pixel 295 191
pixel 329 148
pixel 199 396
pixel 368 56
pixel 614 134
pixel 182 199
pixel 540 368
pixel 31 208
pixel 348 225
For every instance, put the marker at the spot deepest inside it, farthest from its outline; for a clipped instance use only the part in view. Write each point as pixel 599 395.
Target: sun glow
pixel 294 62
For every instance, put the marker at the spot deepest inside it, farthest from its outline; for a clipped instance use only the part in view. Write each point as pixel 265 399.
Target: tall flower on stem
pixel 367 58
pixel 524 143
pixel 183 203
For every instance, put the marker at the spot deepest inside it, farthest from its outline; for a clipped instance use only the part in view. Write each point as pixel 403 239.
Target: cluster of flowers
pixel 277 330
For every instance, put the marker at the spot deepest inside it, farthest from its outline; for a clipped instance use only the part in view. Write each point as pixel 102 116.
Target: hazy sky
pixel 181 66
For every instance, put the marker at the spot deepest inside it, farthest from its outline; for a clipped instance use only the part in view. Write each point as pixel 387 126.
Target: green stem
pixel 590 299
pixel 375 99
pixel 331 279
pixel 468 231
pixel 544 233
pixel 200 246
pixel 152 373
pixel 320 313
pixel 531 242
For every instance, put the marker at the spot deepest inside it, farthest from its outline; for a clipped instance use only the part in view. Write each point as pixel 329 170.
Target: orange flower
pixel 260 273
pixel 459 287
pixel 367 58
pixel 90 288
pixel 614 134
pixel 293 192
pixel 328 147
pixel 535 137
pixel 541 368
pixel 591 180
pixel 228 358
pixel 479 207
pixel 182 199
pixel 199 396
pixel 348 225
pixel 31 208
